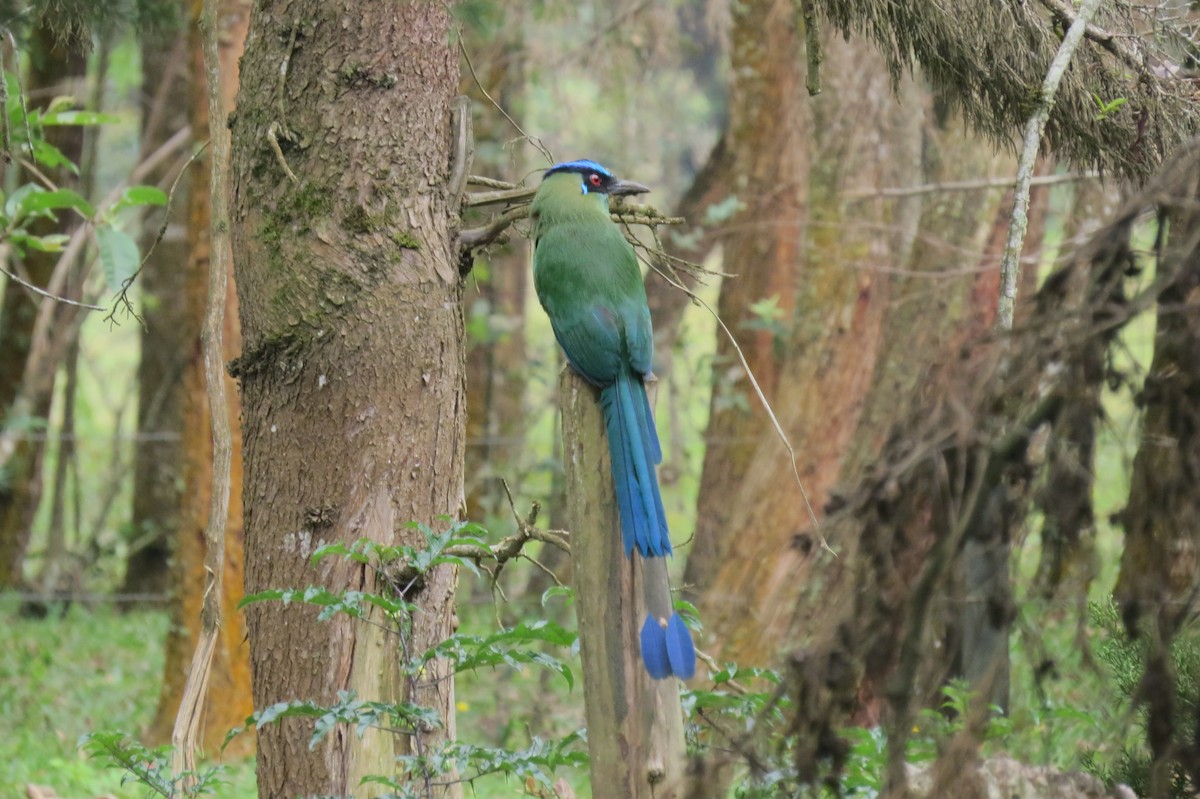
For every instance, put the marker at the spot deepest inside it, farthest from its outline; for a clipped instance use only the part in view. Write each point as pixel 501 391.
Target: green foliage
pixel 398 568
pixel 118 255
pixel 752 707
pixel 31 202
pixel 534 766
pixel 349 603
pixel 67 674
pixel 403 717
pixel 1106 108
pixel 766 315
pixel 723 211
pixel 1125 659
pixel 150 767
pixel 513 646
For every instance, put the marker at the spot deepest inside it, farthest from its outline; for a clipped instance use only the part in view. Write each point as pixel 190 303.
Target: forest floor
pixel 97 670
pixel 94 669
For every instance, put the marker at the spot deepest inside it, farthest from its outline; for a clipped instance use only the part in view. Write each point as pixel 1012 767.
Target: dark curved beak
pixel 623 187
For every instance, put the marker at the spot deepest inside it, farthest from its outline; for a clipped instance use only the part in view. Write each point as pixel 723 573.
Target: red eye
pixel 595 179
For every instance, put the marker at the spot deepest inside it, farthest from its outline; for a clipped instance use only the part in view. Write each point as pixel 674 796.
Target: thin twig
pixel 509 194
pixel 122 298
pixel 491 183
pixel 1010 267
pixel 273 136
pixel 1105 39
pixel 762 398
pixel 57 298
pixel 966 185
pixel 536 142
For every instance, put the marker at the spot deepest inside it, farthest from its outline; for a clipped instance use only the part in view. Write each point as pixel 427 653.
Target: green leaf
pixel 558 590
pixel 48 155
pixel 16 201
pixel 138 195
pixel 54 117
pixel 42 201
pixel 351 603
pixel 513 647
pixel 51 242
pixel 348 710
pixel 118 255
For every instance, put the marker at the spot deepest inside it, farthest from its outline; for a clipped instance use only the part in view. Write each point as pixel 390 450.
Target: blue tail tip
pixel 667 649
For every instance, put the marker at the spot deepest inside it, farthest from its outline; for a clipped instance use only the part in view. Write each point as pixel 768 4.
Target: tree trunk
pixel 496 290
pixel 883 294
pixel 157 494
pixel 353 368
pixel 712 184
pixel 56 64
pixel 229 694
pixel 768 119
pixel 1162 551
pixel 634 723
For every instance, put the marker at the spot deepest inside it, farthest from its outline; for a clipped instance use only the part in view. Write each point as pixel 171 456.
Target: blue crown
pixel 582 165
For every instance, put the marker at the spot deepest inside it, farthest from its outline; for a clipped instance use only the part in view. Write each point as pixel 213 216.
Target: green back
pixel 588 280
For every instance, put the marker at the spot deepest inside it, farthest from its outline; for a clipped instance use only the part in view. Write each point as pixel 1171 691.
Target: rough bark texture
pixel 229 696
pixel 634 723
pixel 889 288
pixel 157 478
pixel 763 247
pixel 839 255
pixel 56 64
pixel 352 373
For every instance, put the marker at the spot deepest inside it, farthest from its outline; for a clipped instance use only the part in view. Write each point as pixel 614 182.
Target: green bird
pixel 588 280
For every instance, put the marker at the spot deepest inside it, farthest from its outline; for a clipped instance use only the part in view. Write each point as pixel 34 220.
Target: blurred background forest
pixel 1006 558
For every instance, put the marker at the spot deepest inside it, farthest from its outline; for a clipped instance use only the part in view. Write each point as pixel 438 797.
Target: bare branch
pixel 1010 267
pixel 966 185
pixel 38 290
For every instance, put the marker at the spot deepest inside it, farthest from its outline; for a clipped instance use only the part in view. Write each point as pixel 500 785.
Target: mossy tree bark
pixel 58 62
pixel 229 695
pixel 768 118
pixel 883 287
pixel 353 367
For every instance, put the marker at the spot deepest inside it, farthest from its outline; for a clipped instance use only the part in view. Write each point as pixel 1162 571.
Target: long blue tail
pixel 633 446
pixel 634 449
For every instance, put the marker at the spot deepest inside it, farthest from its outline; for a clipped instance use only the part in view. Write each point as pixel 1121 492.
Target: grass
pixel 63 677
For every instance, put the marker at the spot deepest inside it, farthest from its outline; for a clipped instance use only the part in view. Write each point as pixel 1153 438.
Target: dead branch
pixel 187 722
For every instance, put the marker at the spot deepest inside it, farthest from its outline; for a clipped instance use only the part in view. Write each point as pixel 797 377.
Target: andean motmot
pixel 587 278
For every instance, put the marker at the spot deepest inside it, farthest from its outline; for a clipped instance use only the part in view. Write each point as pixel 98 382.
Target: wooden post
pixel 634 724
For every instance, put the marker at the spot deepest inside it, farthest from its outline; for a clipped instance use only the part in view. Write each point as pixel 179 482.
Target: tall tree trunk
pixel 157 494
pixel 58 61
pixel 711 185
pixel 883 291
pixel 763 247
pixel 353 368
pixel 229 694
pixel 497 288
